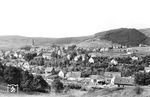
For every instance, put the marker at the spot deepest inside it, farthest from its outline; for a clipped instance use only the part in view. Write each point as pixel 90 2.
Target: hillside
pixel 19 41
pixel 146 31
pixel 123 36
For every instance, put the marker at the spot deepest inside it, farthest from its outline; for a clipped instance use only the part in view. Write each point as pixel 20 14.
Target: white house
pixel 147 69
pixel 26 66
pixel 68 57
pixel 113 61
pixel 76 58
pixel 134 58
pixel 46 55
pixel 91 60
pixel 62 74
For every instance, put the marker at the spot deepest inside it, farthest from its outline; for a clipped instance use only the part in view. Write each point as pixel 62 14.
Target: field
pixel 112 92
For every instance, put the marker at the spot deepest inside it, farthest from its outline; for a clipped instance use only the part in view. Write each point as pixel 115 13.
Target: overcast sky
pixel 65 18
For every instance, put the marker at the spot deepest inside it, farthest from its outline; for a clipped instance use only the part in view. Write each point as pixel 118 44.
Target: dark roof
pixel 124 81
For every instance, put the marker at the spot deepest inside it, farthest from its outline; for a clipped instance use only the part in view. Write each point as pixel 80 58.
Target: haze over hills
pixel 123 36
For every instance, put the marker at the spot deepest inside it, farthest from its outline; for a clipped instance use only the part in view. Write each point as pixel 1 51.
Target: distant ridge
pixel 121 36
pixel 124 36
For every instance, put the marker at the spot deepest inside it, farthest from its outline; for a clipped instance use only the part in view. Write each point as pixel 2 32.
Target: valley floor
pixel 113 92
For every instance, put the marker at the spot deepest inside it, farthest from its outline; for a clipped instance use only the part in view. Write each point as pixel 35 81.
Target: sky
pixel 71 18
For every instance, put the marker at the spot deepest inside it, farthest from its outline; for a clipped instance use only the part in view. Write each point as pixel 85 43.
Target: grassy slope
pixel 146 31
pixel 113 92
pixel 18 41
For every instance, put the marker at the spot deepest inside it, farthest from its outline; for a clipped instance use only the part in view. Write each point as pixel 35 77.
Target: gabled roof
pixel 73 74
pixel 49 69
pixel 46 54
pixel 99 77
pixel 124 80
pixel 112 74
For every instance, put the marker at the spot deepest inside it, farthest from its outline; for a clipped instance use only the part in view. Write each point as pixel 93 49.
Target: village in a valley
pixel 60 69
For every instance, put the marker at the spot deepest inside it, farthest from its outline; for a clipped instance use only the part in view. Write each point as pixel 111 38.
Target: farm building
pixel 97 79
pixel 73 75
pixel 49 71
pixel 123 81
pixel 46 55
pixel 109 75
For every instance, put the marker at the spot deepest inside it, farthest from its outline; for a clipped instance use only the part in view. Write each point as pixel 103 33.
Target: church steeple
pixel 33 42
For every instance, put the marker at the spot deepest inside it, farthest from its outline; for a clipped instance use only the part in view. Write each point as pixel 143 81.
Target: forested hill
pixel 124 36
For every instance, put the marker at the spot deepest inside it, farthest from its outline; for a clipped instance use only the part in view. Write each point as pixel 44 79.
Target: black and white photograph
pixel 74 48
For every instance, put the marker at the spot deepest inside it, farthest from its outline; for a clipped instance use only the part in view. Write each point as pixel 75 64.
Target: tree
pixel 30 56
pixel 26 81
pixel 39 84
pixel 112 69
pixel 142 78
pixel 57 85
pixel 54 55
pixel 27 47
pixel 1 72
pixel 12 75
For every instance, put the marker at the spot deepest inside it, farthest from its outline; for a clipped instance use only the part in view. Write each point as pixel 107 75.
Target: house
pixel 97 79
pixel 59 52
pixel 10 64
pixel 131 51
pixel 15 55
pixel 112 74
pixel 26 66
pixel 73 75
pixel 91 60
pixel 49 71
pixel 46 55
pixel 114 62
pixel 109 75
pixel 102 49
pixel 83 57
pixel 76 58
pixel 134 58
pixel 62 73
pixel 147 69
pixel 68 57
pixel 123 81
pixel 38 58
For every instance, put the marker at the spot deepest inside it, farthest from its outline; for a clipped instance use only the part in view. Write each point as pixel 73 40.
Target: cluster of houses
pixel 16 58
pixel 105 79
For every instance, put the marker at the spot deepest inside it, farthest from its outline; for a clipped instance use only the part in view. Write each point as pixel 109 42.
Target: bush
pixel 39 84
pixel 57 85
pixel 27 47
pixel 142 78
pixel 138 90
pixel 12 75
pixel 30 56
pixel 26 82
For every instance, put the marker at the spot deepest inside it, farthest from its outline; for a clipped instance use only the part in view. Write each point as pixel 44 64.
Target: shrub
pixel 57 85
pixel 12 75
pixel 142 78
pixel 39 84
pixel 26 81
pixel 138 90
